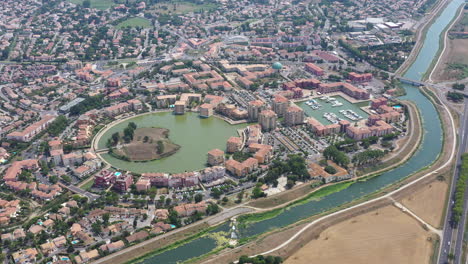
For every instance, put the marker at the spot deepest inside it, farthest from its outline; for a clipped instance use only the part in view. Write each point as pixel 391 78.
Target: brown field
pixel 454 63
pixel 382 236
pixel 428 202
pixel 139 150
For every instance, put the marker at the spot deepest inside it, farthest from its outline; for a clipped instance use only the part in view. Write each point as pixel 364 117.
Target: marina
pixel 332 109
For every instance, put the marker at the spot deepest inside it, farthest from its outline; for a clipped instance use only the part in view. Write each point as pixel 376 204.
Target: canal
pixel 427 153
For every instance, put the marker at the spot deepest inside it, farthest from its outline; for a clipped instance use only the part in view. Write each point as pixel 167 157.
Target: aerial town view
pixel 219 131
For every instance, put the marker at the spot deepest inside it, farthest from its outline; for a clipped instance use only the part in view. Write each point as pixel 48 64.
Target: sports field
pixel 135 22
pixel 98 4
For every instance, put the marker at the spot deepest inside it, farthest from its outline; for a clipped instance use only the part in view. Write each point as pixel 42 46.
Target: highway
pixel 452 239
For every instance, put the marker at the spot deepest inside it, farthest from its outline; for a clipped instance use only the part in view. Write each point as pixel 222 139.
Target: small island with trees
pixel 141 144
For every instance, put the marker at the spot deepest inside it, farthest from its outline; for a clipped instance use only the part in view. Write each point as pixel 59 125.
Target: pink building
pixel 314 69
pixel 359 77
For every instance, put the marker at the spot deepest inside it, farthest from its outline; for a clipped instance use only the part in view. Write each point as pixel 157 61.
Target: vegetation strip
pixel 174 245
pixel 460 190
pixel 257 217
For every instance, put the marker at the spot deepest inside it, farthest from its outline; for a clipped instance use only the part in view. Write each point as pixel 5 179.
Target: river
pixel 427 153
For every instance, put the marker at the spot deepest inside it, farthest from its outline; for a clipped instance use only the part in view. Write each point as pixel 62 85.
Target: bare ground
pixel 383 236
pixel 428 202
pixel 456 53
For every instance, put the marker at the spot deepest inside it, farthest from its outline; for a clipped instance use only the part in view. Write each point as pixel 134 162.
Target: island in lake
pixel 142 144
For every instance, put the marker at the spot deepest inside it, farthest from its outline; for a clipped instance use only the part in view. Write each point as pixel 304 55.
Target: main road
pixel 452 239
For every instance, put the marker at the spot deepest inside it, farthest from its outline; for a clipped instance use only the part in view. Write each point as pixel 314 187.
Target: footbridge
pixel 421 83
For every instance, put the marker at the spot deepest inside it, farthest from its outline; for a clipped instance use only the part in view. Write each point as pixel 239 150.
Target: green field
pixel 98 4
pixel 181 7
pixel 135 22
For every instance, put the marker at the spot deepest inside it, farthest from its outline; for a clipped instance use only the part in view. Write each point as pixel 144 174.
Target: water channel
pixel 427 153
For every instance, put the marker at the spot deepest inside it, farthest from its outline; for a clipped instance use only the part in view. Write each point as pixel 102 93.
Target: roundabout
pixel 195 136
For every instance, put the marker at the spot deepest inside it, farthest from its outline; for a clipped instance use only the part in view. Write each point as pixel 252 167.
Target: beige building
pixel 179 108
pixel 205 110
pixel 267 120
pixel 280 104
pixel 254 108
pixel 234 144
pixel 215 157
pixel 294 116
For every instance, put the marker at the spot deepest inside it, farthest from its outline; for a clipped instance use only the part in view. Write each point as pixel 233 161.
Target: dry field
pixel 428 202
pixel 454 64
pixel 385 235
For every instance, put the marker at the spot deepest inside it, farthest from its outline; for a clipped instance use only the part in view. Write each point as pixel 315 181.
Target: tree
pixel 198 197
pixel 368 156
pixel 212 209
pixel 173 218
pixel 331 152
pixel 66 179
pixel 132 125
pixel 53 179
pixel 458 86
pixel 145 139
pixel 257 191
pixel 96 227
pixel 160 147
pixel 86 3
pixel 115 138
pixel 216 193
pixel 240 195
pixel 330 169
pixel 128 134
pixel 105 218
pixel 454 96
pixel 161 199
pixel 58 126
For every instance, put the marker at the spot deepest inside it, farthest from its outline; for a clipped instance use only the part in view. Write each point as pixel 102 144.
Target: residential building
pixel 267 120
pixel 215 157
pixel 294 116
pixel 234 144
pixel 254 108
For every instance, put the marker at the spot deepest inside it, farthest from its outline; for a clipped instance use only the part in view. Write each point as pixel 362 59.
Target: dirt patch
pixel 145 145
pixel 454 61
pixel 383 236
pixel 428 202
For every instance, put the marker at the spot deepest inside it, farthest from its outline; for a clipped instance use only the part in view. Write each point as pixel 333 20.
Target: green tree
pixel 257 191
pixel 330 169
pixel 198 197
pixel 115 138
pixel 160 147
pixel 86 3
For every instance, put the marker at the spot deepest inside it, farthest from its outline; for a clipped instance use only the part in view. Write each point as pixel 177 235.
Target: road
pixel 453 235
pixel 91 196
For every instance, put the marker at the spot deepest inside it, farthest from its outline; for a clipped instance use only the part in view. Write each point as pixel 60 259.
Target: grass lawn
pixel 98 4
pixel 181 7
pixel 135 22
pixel 88 185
